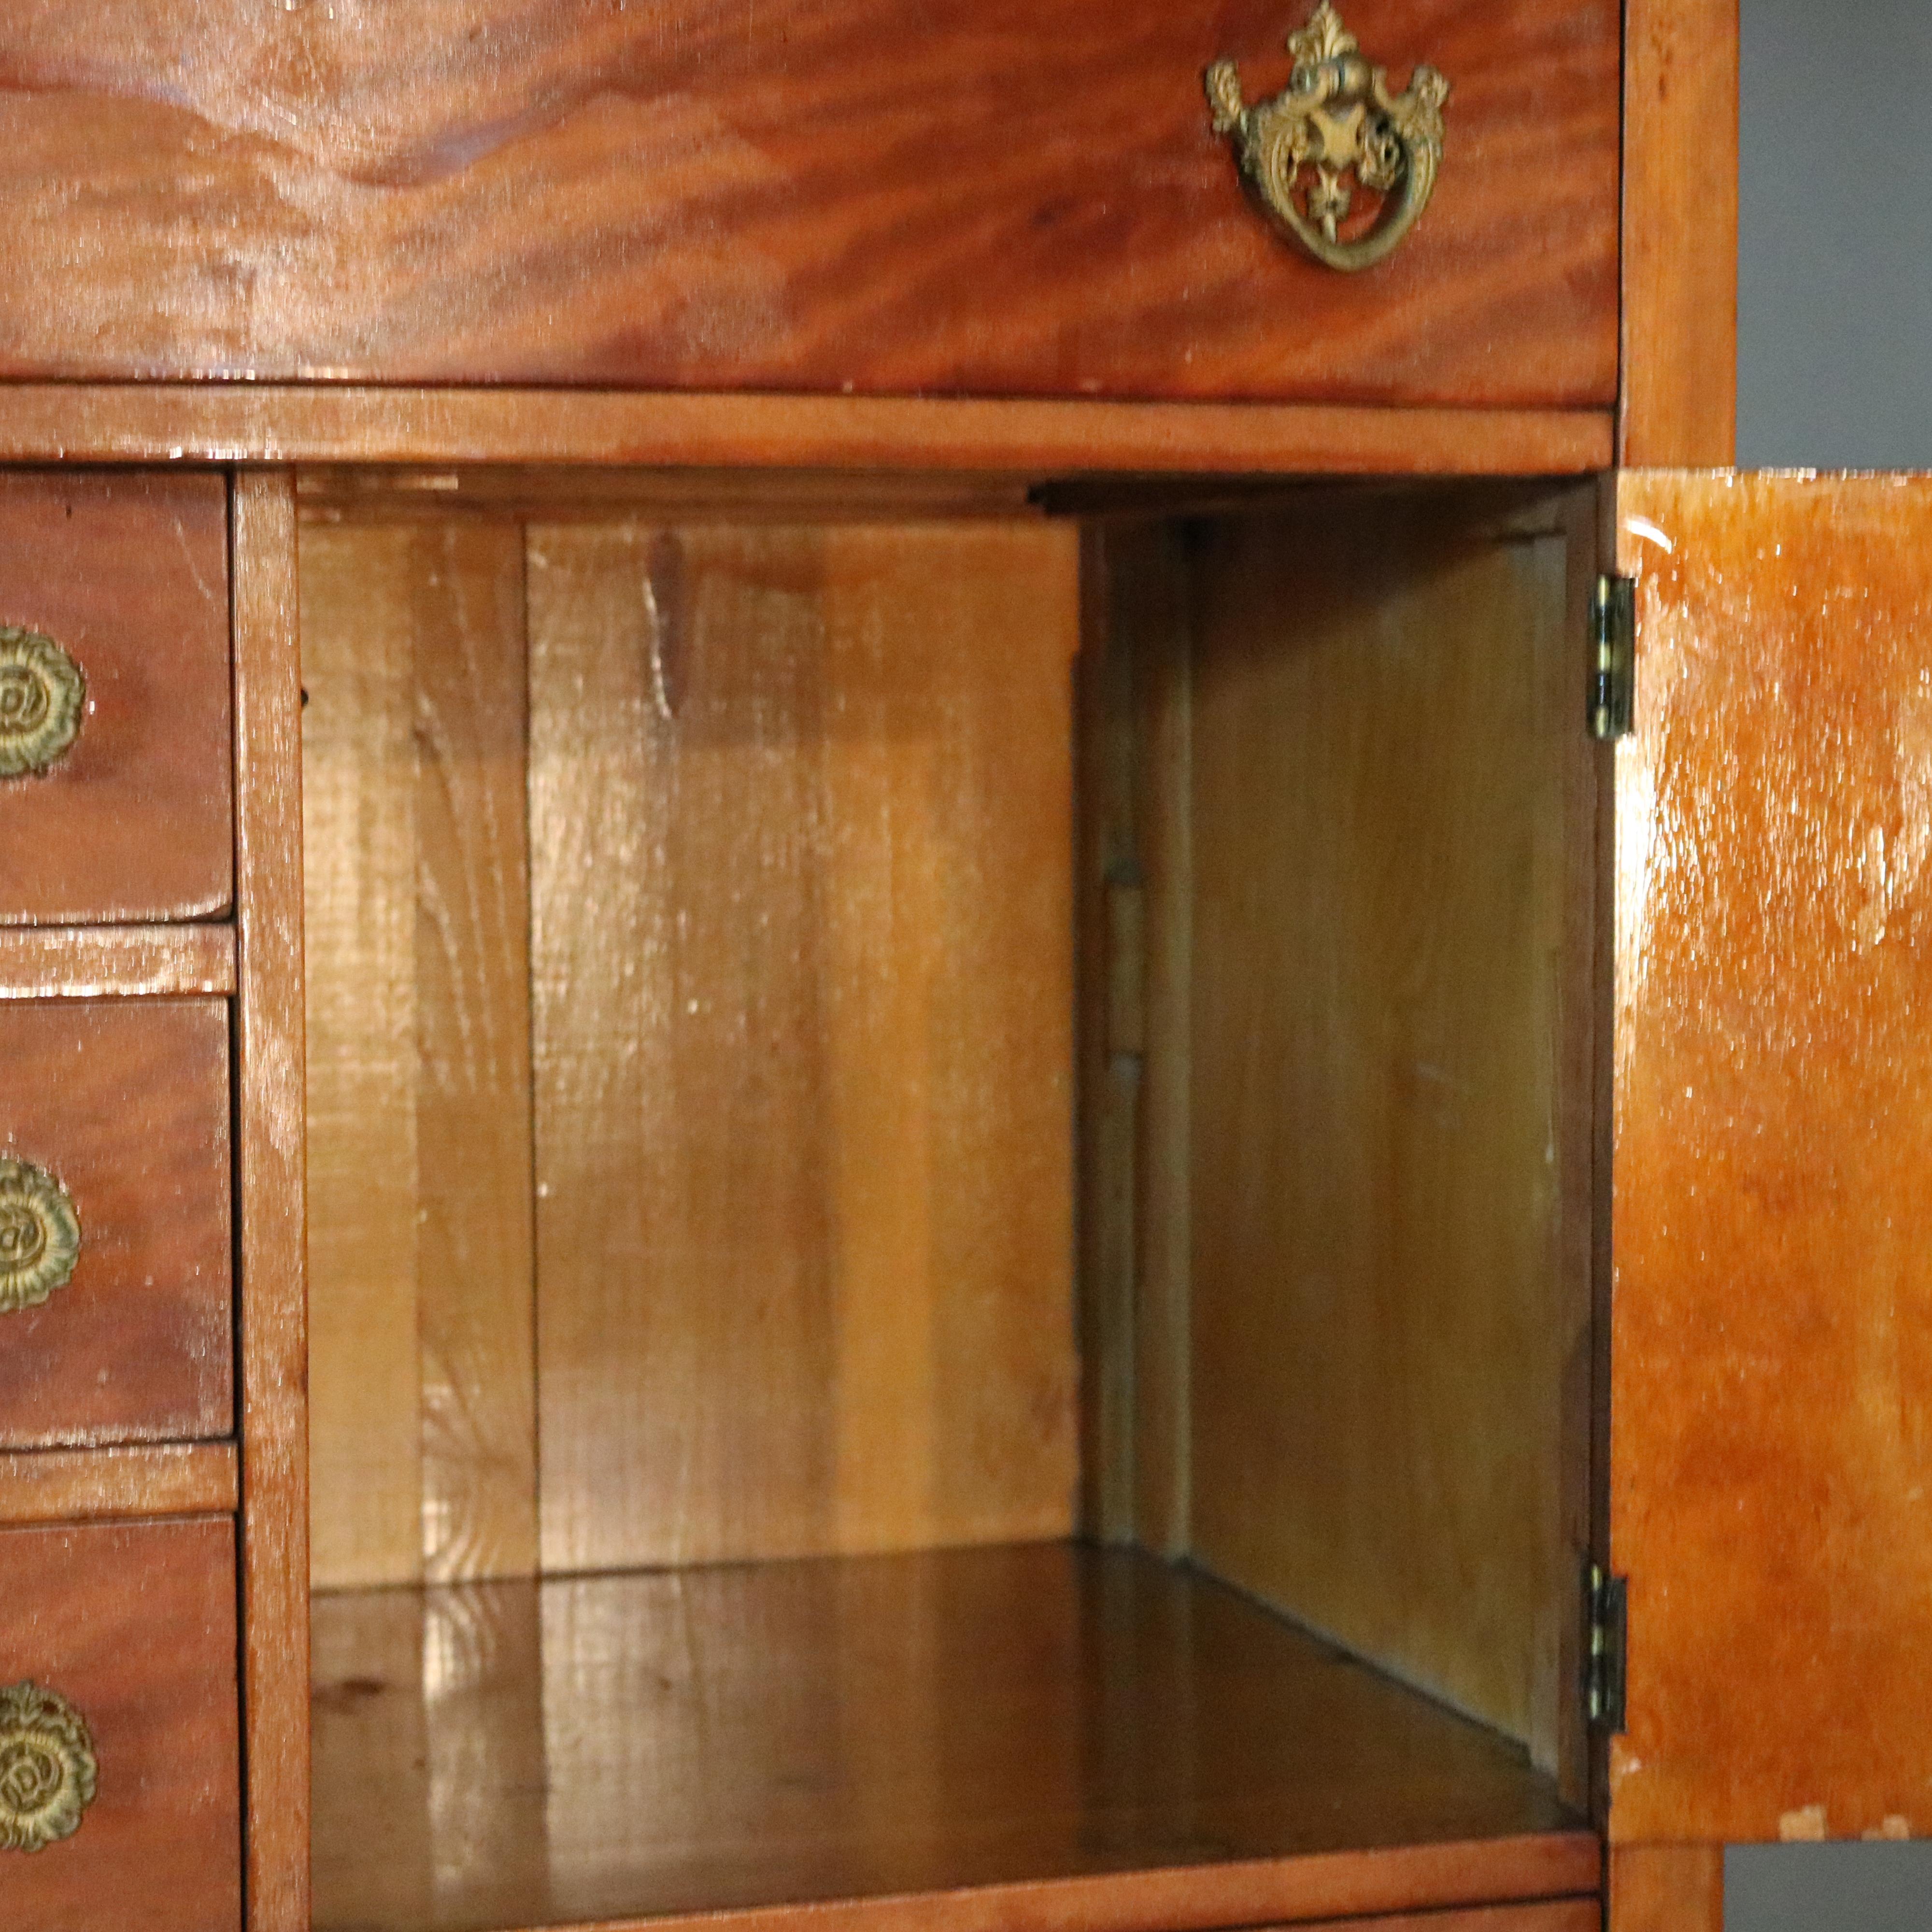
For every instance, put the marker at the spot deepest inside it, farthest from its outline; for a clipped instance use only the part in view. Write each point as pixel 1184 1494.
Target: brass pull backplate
pixel 1335 119
pixel 43 698
pixel 40 1235
pixel 47 1769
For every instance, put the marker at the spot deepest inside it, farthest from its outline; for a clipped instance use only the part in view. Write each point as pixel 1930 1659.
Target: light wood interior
pixel 871 1020
pixel 1385 703
pixel 690 1009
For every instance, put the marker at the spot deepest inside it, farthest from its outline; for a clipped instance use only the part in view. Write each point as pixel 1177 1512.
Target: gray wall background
pixel 1834 371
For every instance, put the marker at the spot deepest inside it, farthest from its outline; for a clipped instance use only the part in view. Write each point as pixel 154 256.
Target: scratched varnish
pixel 949 1130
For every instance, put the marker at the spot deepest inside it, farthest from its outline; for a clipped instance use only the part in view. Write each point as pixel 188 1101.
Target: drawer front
pixel 120 1805
pixel 115 759
pixel 115 1248
pixel 964 196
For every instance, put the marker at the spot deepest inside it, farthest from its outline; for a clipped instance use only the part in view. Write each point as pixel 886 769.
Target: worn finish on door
pixel 1771 1404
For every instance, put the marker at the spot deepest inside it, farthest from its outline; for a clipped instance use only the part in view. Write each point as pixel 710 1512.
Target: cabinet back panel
pixel 801 834
pixel 689 1001
pixel 1382 1316
pixel 423 1441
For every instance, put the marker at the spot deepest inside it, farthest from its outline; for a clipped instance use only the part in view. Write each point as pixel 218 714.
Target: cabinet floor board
pixel 1060 1732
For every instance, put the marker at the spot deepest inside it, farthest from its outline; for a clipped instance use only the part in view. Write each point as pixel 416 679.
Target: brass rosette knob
pixel 1337 119
pixel 40 1235
pixel 47 1769
pixel 43 699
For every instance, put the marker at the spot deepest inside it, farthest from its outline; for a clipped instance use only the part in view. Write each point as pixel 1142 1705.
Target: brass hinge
pixel 1606 1639
pixel 1613 658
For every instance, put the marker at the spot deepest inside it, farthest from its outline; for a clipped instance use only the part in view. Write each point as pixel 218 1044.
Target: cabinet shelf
pixel 659 1745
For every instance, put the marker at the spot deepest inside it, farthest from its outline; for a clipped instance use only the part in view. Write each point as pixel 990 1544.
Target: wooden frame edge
pixel 114 1485
pixel 99 962
pixel 271 1101
pixel 1680 238
pixel 247 423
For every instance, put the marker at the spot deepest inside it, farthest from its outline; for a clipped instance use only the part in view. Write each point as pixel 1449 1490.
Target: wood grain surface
pixel 1771 1398
pixel 270 1173
pixel 800 841
pixel 254 423
pixel 1666 1888
pixel 127 1104
pixel 1680 271
pixel 423 1432
pixel 134 1625
pixel 1047 1735
pixel 129 575
pixel 475 1243
pixel 1135 937
pixel 959 200
pixel 84 962
pixel 359 883
pixel 95 1485
pixel 1384 698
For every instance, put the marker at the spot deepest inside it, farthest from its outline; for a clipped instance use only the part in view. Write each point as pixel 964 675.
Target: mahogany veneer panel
pixel 962 197
pixel 134 1626
pixel 129 574
pixel 1771 1393
pixel 127 1103
pixel 894 1728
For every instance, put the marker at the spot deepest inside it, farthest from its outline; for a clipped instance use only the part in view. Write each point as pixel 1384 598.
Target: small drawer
pixel 115 1248
pixel 120 1797
pixel 116 791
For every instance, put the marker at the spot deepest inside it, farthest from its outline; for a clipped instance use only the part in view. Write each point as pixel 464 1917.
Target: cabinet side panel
pixel 1770 1424
pixel 1383 1306
pixel 802 867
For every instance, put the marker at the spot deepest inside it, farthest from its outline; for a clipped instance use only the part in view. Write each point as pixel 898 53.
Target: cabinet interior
pixel 950 1153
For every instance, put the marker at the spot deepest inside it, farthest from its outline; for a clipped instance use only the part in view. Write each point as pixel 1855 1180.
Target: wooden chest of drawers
pixel 797 1091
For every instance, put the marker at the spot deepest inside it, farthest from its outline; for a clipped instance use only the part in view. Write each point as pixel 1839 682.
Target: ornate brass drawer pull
pixel 1335 118
pixel 40 1235
pixel 43 698
pixel 47 1769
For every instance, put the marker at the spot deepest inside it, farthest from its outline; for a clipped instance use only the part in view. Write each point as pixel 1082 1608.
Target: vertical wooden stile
pixel 1680 254
pixel 270 1202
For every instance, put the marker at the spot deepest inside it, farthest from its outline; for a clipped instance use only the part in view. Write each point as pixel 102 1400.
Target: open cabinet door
pixel 1770 1419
